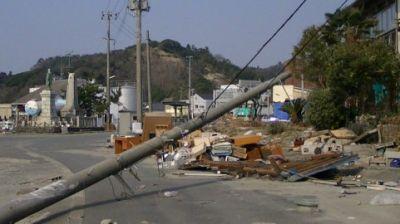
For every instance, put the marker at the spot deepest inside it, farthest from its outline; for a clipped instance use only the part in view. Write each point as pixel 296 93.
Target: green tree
pixel 91 100
pixel 295 109
pixel 324 111
pixel 346 61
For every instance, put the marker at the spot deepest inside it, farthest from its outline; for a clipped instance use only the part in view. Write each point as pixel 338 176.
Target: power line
pixel 116 5
pixel 258 52
pixel 123 28
pixel 303 47
pixel 300 50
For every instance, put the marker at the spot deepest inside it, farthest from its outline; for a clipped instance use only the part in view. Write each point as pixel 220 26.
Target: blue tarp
pixel 278 113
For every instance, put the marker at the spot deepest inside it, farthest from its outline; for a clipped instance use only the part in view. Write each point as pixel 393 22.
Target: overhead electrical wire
pixel 258 52
pixel 305 45
pixel 122 27
pixel 299 51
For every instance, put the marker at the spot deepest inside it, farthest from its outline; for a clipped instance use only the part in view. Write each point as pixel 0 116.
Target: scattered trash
pixel 141 187
pixel 395 163
pixel 346 191
pixel 107 221
pixel 201 174
pixel 391 184
pixel 307 201
pixel 170 194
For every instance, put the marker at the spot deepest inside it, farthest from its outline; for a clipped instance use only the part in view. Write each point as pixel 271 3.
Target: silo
pixel 128 98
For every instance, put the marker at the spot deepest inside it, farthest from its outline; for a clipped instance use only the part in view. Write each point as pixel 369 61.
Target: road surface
pixel 199 200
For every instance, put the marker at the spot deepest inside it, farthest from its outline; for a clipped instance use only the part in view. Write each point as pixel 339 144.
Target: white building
pixel 199 104
pixel 236 90
pixel 230 93
pixel 281 93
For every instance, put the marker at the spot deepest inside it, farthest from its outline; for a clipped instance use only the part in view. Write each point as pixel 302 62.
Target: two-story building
pixel 387 15
pixel 199 103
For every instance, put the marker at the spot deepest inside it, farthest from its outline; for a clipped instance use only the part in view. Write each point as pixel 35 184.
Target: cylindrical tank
pixel 59 103
pixel 33 107
pixel 128 98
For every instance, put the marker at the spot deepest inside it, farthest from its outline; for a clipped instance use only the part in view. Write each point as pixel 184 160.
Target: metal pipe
pixel 35 201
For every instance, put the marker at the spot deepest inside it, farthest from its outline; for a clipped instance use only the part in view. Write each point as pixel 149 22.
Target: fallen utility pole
pixel 35 201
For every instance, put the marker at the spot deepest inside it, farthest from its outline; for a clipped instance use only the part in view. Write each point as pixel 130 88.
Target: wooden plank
pixel 246 140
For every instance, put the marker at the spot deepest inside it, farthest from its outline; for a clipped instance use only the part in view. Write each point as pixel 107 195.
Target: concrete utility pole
pixel 35 201
pixel 148 72
pixel 69 54
pixel 138 6
pixel 190 86
pixel 108 16
pixel 397 22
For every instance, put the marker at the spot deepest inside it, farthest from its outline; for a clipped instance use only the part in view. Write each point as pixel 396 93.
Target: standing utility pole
pixel 69 54
pixel 108 16
pixel 138 6
pixel 148 72
pixel 190 86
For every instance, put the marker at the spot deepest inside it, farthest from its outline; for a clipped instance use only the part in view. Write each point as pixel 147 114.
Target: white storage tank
pixel 33 107
pixel 128 98
pixel 59 103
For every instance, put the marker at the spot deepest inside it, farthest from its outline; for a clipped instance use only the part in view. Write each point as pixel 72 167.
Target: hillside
pixel 169 70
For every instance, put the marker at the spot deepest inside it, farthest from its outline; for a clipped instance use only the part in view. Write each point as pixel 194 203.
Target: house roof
pixel 157 106
pixel 206 96
pixel 59 87
pixel 371 7
pixel 173 102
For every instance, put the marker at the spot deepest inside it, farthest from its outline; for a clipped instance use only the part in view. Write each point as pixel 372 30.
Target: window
pixel 386 19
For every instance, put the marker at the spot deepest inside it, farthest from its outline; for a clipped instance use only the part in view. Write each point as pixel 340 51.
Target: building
pixel 235 90
pixel 245 85
pixel 200 103
pixel 387 15
pixel 176 108
pixel 231 92
pixel 5 111
pixel 282 93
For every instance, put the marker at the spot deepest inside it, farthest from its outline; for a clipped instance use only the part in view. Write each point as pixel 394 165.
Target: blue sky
pixel 233 28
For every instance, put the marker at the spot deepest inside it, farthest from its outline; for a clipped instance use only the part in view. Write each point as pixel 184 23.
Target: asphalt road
pixel 199 200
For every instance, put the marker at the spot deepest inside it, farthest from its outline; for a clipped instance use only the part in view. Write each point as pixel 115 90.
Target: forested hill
pixel 169 70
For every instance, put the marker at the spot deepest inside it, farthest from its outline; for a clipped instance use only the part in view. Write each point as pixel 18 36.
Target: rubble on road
pixel 241 148
pixel 246 155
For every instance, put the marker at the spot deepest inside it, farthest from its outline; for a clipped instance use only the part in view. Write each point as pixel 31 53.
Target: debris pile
pixel 247 155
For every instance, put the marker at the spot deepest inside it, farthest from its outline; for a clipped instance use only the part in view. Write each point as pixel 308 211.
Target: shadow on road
pixel 110 201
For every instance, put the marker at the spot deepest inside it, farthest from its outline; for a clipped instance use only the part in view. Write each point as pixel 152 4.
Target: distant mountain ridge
pixel 169 70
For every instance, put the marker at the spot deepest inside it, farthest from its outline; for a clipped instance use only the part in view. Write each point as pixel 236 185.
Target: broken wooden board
pixel 246 140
